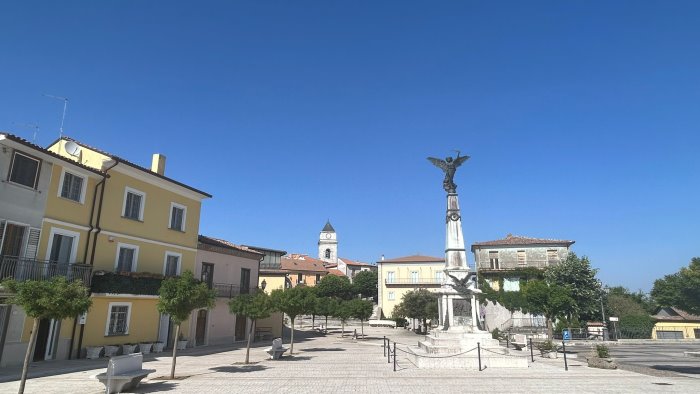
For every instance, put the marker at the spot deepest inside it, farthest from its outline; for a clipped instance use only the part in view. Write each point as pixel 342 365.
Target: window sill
pixel 132 219
pixel 177 230
pixel 117 335
pixel 21 186
pixel 71 200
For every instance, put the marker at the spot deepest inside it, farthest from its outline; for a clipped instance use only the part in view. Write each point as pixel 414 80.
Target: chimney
pixel 382 257
pixel 158 164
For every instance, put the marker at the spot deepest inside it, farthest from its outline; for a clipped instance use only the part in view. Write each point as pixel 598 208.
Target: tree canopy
pixel 578 277
pixel 294 302
pixel 418 304
pixel 365 284
pixel 550 300
pixel 680 290
pixel 335 286
pixel 253 306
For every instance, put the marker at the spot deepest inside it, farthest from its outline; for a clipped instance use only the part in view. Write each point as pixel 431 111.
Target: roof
pixel 356 263
pixel 517 240
pixel 414 259
pixel 136 166
pixel 26 143
pixel 328 227
pixel 670 313
pixel 335 272
pixel 222 243
pixel 302 263
pixel 260 248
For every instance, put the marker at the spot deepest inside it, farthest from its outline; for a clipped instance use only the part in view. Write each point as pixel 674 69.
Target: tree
pixel 53 299
pixel 365 283
pixel 253 306
pixel 419 304
pixel 362 310
pixel 325 306
pixel 335 286
pixel 293 302
pixel 550 300
pixel 343 313
pixel 178 297
pixel 680 290
pixel 578 277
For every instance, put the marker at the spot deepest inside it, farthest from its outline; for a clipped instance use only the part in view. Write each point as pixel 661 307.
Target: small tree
pixel 253 306
pixel 549 300
pixel 680 290
pixel 335 286
pixel 53 299
pixel 325 306
pixel 362 310
pixel 365 284
pixel 293 302
pixel 343 313
pixel 419 304
pixel 578 277
pixel 178 297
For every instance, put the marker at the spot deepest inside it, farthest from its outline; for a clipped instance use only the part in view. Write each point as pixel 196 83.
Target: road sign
pixel 566 335
pixel 613 318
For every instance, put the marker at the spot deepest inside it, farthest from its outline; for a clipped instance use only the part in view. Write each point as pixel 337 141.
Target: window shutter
pixel 2 232
pixel 32 243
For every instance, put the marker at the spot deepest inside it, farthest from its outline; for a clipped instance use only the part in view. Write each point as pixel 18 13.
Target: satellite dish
pixel 72 148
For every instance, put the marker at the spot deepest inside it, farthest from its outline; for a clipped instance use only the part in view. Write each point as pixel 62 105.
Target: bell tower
pixel 328 245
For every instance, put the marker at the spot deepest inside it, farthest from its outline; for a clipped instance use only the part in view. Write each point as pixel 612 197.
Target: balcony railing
pixel 270 266
pixel 505 265
pixel 413 281
pixel 19 268
pixel 227 290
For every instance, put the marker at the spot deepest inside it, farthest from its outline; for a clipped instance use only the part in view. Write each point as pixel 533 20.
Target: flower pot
pixel 111 350
pixel 93 352
pixel 182 345
pixel 145 348
pixel 158 347
pixel 128 349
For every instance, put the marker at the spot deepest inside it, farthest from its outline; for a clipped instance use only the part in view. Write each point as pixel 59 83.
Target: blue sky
pixel 581 117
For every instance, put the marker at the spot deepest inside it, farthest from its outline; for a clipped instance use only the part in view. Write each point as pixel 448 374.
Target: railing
pixel 19 268
pixel 227 290
pixel 270 266
pixel 505 265
pixel 413 281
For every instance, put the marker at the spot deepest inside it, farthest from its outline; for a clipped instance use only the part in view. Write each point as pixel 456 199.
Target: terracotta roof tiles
pixel 517 240
pixel 414 259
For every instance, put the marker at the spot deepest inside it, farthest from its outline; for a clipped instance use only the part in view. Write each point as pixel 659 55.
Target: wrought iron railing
pixel 227 290
pixel 505 265
pixel 413 281
pixel 19 268
pixel 270 266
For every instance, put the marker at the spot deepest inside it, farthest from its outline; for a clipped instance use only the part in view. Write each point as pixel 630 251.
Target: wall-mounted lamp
pixel 263 284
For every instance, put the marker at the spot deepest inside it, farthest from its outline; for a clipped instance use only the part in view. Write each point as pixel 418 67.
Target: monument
pixel 454 343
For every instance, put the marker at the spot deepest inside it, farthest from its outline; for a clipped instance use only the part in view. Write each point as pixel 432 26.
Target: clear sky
pixel 581 117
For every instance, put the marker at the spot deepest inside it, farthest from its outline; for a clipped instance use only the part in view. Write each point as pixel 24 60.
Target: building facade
pixel 400 275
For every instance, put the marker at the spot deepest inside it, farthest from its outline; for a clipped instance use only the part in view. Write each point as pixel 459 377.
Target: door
pixel 245 281
pixel 165 332
pixel 42 340
pixel 207 274
pixel 239 333
pixel 201 332
pixel 11 241
pixel 60 257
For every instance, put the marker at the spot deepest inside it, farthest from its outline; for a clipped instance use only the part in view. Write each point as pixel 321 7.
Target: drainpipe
pixel 94 242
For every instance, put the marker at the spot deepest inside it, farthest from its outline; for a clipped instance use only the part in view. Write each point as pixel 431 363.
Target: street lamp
pixel 263 284
pixel 602 311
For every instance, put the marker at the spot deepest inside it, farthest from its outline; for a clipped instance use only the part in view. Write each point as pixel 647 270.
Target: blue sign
pixel 566 335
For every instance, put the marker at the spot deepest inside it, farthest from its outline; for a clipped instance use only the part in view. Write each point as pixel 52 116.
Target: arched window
pixel 328 253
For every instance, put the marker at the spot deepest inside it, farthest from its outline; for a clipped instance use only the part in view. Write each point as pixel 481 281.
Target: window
pixel 493 260
pixel 207 274
pixel 318 278
pixel 177 216
pixel 62 247
pixel 328 253
pixel 390 277
pixel 669 334
pixel 414 276
pixel 521 258
pixel 72 187
pixel 172 264
pixel 24 170
pixel 127 256
pixel 439 276
pixel 511 284
pixel 552 256
pixel 245 281
pixel 118 321
pixel 391 296
pixel 134 201
pixel 299 278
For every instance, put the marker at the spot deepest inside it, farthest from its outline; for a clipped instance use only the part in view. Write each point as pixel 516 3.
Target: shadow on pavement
pixel 321 349
pixel 678 368
pixel 239 368
pixel 295 358
pixel 154 387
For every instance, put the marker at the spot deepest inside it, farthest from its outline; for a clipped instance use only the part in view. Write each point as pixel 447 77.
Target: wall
pixel 687 328
pixel 535 256
pixel 17 202
pixel 143 324
pixel 402 272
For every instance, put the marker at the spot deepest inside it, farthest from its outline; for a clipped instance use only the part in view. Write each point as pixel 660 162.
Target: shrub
pixel 546 346
pixel 602 351
pixel 498 334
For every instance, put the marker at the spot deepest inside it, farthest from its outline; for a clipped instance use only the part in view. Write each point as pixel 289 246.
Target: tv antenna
pixel 65 104
pixel 31 125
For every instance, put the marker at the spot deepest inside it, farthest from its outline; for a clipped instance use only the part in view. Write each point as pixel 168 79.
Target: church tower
pixel 328 245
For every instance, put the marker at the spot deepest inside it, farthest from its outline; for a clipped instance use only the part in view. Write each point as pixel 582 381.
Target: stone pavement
pixel 341 365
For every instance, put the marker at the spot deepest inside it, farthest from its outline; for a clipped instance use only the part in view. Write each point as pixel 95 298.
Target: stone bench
pixel 276 350
pixel 381 323
pixel 519 341
pixel 123 373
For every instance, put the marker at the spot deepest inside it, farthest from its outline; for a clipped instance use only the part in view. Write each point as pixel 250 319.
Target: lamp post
pixel 602 312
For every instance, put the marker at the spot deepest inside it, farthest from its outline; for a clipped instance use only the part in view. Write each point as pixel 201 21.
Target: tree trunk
pixel 326 324
pixel 177 339
pixel 291 349
pixel 550 329
pixel 251 333
pixel 28 355
pixel 313 321
pixel 362 327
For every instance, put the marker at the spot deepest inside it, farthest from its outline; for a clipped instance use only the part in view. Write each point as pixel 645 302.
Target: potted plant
pixel 181 343
pixel 145 347
pixel 158 347
pixel 93 352
pixel 111 350
pixel 128 348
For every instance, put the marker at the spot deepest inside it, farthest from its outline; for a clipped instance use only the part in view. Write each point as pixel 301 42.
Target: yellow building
pixel 271 277
pixel 303 270
pixel 400 275
pixel 133 226
pixel 674 323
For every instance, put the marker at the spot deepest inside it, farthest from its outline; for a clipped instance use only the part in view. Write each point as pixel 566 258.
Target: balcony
pixel 227 290
pixel 19 268
pixel 413 281
pixel 506 265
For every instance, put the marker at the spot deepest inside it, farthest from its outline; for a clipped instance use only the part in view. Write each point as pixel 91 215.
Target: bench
pixel 519 341
pixel 382 323
pixel 123 373
pixel 276 350
pixel 262 333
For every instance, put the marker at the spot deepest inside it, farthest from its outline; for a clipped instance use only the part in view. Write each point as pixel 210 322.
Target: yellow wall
pixel 151 257
pixel 272 282
pixel 402 272
pixel 688 328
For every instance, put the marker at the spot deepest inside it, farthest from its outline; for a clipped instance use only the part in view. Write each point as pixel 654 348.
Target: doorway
pixel 165 331
pixel 201 331
pixel 239 333
pixel 46 340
